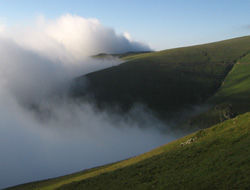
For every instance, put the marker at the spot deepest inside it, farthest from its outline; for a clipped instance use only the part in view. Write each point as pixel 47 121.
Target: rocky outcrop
pixel 189 141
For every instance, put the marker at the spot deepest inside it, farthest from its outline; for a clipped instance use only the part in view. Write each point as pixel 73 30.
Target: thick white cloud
pixel 42 135
pixel 73 37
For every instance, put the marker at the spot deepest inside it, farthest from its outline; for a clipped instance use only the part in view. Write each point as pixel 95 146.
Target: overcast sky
pixel 162 24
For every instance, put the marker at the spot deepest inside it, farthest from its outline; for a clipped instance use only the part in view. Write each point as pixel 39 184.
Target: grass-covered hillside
pixel 235 89
pixel 166 81
pixel 213 158
pixel 245 59
pixel 233 98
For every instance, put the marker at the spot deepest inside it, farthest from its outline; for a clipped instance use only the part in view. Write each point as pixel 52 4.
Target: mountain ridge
pixel 166 82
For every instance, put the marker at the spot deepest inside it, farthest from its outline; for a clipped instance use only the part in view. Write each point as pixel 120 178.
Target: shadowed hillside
pixel 233 98
pixel 166 81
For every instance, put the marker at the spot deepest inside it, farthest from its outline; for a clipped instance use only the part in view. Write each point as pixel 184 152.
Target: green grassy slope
pixel 236 89
pixel 233 98
pixel 245 59
pixel 218 158
pixel 166 81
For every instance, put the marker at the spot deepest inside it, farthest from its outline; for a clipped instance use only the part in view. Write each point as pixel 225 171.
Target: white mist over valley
pixel 61 135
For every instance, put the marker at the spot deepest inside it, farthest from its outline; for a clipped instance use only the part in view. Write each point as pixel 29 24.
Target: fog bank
pixel 71 38
pixel 71 138
pixel 45 134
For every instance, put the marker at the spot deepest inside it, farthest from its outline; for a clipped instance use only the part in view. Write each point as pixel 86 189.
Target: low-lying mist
pixel 45 134
pixel 69 137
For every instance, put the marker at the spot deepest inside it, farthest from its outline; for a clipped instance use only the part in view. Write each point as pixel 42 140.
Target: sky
pixel 162 24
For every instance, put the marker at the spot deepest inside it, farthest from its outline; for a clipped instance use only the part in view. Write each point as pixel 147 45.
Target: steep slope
pixel 214 158
pixel 166 81
pixel 233 98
